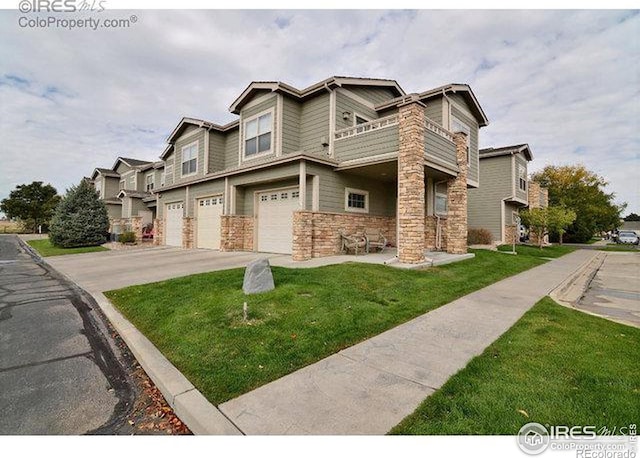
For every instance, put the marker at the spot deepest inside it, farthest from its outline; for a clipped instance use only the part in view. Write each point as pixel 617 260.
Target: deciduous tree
pixel 31 204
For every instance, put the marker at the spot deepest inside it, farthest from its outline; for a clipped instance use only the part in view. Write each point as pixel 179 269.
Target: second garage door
pixel 275 220
pixel 208 229
pixel 173 224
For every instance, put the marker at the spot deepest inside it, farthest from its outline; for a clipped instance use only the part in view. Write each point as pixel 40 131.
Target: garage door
pixel 275 220
pixel 173 224
pixel 208 229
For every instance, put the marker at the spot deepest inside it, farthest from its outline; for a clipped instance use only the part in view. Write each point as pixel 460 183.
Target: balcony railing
pixel 438 129
pixel 366 127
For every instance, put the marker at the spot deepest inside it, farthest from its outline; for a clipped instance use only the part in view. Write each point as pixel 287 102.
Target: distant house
pixel 630 226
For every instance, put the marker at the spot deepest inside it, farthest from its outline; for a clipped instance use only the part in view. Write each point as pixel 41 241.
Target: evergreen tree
pixel 80 219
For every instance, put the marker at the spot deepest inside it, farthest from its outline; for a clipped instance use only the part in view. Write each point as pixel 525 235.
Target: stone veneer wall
pixel 158 231
pixel 236 233
pixel 430 232
pixel 538 197
pixel 317 234
pixel 511 234
pixel 411 189
pixel 136 227
pixel 533 194
pixel 457 200
pixel 188 240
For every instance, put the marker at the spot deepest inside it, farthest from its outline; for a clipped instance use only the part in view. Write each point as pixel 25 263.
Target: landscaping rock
pixel 258 277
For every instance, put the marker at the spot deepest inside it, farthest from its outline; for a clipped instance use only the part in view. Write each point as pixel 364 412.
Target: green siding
pixel 473 125
pixel 231 146
pixel 374 94
pixel 290 125
pixel 440 148
pixel 216 151
pixel 174 195
pixel 198 191
pixel 520 160
pixel 345 103
pixel 168 167
pixel 111 187
pixel 314 124
pixel 484 207
pixel 196 136
pixel 137 205
pixel 382 195
pixel 114 211
pixel 379 141
pixel 433 110
pixel 248 183
pixel 246 201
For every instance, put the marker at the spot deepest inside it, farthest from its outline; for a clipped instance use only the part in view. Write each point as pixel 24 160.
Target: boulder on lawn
pixel 258 277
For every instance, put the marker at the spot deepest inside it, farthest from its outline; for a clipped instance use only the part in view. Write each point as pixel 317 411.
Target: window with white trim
pixel 441 205
pixel 357 119
pixel 459 126
pixel 522 178
pixel 356 200
pixel 149 182
pixel 189 159
pixel 258 132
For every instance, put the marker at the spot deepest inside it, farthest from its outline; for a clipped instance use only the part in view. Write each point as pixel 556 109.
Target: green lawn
pixel 555 366
pixel 554 251
pixel 196 321
pixel 45 248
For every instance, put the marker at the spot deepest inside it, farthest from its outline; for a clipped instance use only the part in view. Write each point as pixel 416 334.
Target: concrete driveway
pixel 107 270
pixel 614 292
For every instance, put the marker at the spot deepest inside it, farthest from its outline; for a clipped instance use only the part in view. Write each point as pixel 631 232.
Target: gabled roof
pixel 104 172
pixel 453 88
pixel 133 193
pixel 334 81
pixel 151 165
pixel 133 163
pixel 168 150
pixel 186 121
pixel 507 151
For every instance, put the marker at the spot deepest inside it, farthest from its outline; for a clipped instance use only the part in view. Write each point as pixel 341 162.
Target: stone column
pixel 457 200
pixel 544 197
pixel 187 232
pixel 136 227
pixel 411 189
pixel 158 231
pixel 533 194
pixel 302 235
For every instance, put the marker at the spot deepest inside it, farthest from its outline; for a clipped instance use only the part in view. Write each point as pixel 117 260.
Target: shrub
pixel 479 236
pixel 80 219
pixel 127 237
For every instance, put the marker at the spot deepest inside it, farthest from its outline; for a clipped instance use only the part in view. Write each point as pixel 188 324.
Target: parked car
pixel 628 237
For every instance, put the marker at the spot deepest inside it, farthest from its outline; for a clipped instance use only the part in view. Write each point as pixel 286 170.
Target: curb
pixel 189 404
pixel 571 289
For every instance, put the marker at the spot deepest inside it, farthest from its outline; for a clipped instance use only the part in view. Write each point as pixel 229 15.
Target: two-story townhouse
pixel 126 189
pixel 504 191
pixel 299 166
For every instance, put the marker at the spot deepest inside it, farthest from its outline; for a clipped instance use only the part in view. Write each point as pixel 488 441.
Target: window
pixel 295 194
pixel 441 207
pixel 149 181
pixel 359 120
pixel 257 135
pixel 190 159
pixel 356 200
pixel 459 126
pixel 522 178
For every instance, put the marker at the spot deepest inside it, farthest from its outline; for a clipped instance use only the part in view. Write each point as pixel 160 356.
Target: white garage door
pixel 173 224
pixel 275 220
pixel 209 212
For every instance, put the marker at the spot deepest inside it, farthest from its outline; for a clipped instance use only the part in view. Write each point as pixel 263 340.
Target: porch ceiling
pixel 385 171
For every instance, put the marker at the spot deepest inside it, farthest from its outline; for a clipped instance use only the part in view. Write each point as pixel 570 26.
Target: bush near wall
pixel 479 236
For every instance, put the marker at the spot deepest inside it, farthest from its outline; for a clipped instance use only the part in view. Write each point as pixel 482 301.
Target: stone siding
pixel 236 233
pixel 188 241
pixel 136 227
pixel 158 231
pixel 457 200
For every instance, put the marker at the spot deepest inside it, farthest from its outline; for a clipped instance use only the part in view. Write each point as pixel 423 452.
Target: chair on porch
pixel 375 239
pixel 353 242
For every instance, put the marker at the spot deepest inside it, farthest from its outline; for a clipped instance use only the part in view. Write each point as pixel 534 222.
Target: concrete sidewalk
pixel 372 386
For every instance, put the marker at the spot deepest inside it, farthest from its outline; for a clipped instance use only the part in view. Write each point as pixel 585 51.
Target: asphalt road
pixel 614 291
pixel 58 371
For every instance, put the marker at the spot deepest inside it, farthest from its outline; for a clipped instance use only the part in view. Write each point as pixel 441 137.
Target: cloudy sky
pixel 566 82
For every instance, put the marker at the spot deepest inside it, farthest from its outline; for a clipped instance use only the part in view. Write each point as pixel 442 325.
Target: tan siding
pixel 433 110
pixel 440 148
pixel 111 187
pixel 198 191
pixel 484 208
pixel 198 136
pixel 314 124
pixel 169 166
pixel 174 195
pixel 216 152
pixel 261 179
pixel 137 205
pixel 290 125
pixel 345 103
pixel 520 160
pixel 376 142
pixel 114 211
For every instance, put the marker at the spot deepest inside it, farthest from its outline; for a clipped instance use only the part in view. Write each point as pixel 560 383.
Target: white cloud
pixel 566 82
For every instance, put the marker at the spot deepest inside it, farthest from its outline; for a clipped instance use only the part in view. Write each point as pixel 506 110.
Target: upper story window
pixel 459 126
pixel 522 178
pixel 258 134
pixel 149 182
pixel 190 159
pixel 356 200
